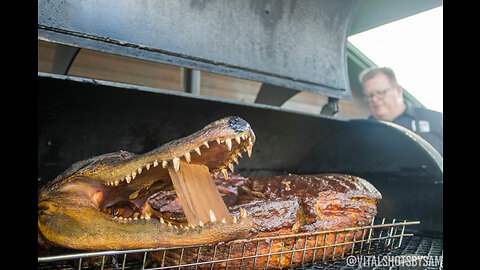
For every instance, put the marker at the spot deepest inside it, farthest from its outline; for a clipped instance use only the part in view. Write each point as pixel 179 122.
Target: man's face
pixel 385 101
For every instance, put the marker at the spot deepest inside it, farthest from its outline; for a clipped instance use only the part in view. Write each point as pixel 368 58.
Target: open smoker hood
pixel 297 45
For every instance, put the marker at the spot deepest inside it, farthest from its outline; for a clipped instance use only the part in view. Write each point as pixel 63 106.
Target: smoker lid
pixel 294 44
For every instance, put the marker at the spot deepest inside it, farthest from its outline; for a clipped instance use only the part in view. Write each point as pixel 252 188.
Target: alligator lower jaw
pixel 148 213
pixel 137 206
pixel 198 227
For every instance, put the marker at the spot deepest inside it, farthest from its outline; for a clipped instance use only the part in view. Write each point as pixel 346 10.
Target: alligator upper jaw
pixel 217 146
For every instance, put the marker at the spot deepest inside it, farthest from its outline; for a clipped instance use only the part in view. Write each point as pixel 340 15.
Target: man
pixel 385 99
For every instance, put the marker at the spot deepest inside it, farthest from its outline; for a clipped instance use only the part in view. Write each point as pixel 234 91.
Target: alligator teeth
pixel 134 194
pixel 187 157
pixel 224 221
pixel 176 164
pixel 225 174
pixel 243 213
pixel 228 142
pixel 200 223
pixel 234 219
pixel 213 218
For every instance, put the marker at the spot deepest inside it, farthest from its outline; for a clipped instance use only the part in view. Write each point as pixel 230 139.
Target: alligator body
pixel 286 205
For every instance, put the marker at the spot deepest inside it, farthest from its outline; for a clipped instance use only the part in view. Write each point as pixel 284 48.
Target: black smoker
pixel 79 118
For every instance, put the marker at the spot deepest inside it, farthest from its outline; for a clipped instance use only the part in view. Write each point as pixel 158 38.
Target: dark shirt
pixel 426 123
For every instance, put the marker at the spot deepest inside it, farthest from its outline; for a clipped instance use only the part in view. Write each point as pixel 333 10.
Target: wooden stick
pixel 197 193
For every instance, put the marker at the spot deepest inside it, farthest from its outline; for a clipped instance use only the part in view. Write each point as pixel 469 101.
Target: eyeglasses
pixel 378 94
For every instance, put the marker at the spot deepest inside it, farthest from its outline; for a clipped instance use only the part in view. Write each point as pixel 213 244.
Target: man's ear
pixel 399 89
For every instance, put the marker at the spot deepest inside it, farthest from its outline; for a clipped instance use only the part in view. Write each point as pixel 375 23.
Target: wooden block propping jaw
pixel 197 194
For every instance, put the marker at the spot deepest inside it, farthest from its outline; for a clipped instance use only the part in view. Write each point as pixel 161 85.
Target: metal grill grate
pixel 258 253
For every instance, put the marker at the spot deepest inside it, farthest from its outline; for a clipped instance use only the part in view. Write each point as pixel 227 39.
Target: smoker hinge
pixel 274 95
pixel 331 108
pixel 191 81
pixel 63 59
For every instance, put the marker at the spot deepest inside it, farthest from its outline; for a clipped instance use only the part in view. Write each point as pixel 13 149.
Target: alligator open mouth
pixel 217 154
pixel 102 202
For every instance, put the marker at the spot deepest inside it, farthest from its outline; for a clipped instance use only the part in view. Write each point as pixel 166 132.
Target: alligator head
pixel 101 202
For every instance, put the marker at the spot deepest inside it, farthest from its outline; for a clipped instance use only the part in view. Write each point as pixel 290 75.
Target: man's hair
pixel 371 72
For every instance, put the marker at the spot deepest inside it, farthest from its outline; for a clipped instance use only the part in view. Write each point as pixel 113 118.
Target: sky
pixel 413 48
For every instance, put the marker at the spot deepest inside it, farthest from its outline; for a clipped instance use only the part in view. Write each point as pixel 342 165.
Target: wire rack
pixel 283 251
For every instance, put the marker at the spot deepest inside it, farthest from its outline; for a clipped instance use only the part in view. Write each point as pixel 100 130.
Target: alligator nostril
pixel 238 124
pixel 42 209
